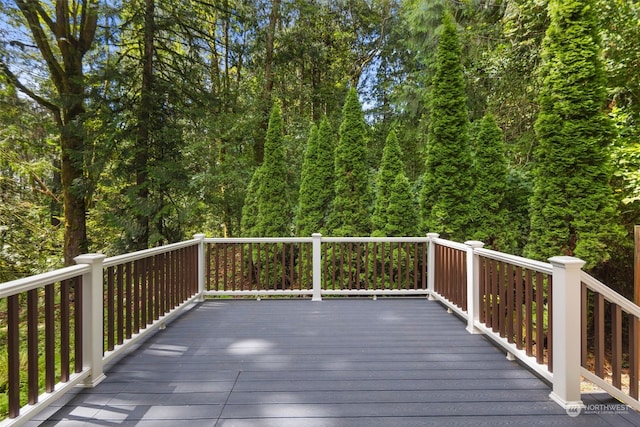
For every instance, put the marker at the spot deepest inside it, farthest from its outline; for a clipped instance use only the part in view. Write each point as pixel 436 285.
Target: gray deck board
pixel 340 362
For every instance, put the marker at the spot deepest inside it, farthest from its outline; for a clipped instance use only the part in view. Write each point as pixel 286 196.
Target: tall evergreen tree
pixel 250 207
pixel 447 180
pixel 572 208
pixel 490 173
pixel 402 212
pixel 390 166
pixel 350 215
pixel 305 197
pixel 316 184
pixel 275 214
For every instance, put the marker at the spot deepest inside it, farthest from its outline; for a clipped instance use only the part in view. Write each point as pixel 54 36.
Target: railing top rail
pixel 33 282
pixel 610 295
pixel 310 239
pixel 527 263
pixel 258 240
pixel 121 259
pixel 375 239
pixel 451 244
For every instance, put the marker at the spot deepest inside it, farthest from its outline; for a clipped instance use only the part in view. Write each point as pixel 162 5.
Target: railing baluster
pixel 374 264
pixel 584 334
pixel 50 338
pixel 136 296
pixel 146 292
pixel 259 280
pixel 510 288
pixel 616 345
pixel 208 266
pixel 110 304
pixel 32 345
pixel 120 303
pixel 216 249
pixel 78 309
pixel 599 344
pixel 359 266
pixel 233 266
pixel 157 285
pixel 241 273
pixel 13 352
pixel 539 318
pixel 519 301
pixel 634 355
pixel 250 265
pixel 502 300
pixel 482 292
pixel 493 268
pixel 129 303
pixel 529 312
pixel 550 323
pixel 225 268
pixel 65 349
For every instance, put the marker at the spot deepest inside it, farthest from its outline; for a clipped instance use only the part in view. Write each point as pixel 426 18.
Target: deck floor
pixel 339 362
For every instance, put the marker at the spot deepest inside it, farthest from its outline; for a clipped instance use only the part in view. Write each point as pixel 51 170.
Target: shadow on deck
pixel 340 362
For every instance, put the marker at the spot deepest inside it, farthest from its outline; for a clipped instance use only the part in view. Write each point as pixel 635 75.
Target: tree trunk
pixel 258 149
pixel 72 169
pixel 73 29
pixel 145 117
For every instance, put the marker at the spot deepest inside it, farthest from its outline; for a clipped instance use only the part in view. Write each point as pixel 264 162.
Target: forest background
pixel 145 121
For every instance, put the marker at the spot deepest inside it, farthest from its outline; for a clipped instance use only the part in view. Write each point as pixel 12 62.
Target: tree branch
pixel 30 11
pixel 88 25
pixel 55 110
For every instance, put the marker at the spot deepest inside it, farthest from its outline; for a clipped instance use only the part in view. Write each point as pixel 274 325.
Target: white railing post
pixel 473 286
pixel 92 317
pixel 316 262
pixel 431 261
pixel 566 297
pixel 200 238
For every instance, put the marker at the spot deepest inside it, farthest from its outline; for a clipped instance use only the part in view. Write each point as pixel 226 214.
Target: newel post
pixel 473 286
pixel 566 346
pixel 200 238
pixel 316 261
pixel 92 317
pixel 431 264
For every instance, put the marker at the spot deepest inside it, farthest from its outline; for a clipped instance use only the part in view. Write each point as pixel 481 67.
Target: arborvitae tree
pixel 250 207
pixel 316 185
pixel 401 212
pixel 275 214
pixel 490 173
pixel 572 208
pixel 305 214
pixel 390 166
pixel 447 181
pixel 350 215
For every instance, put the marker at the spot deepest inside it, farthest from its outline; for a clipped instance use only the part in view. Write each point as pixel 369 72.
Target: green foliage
pixel 316 184
pixel 211 91
pixel 250 207
pixel 444 200
pixel 275 214
pixel 402 212
pixel 490 174
pixel 572 209
pixel 516 200
pixel 30 232
pixel 350 215
pixel 390 166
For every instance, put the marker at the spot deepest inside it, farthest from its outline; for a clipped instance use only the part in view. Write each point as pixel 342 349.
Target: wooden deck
pixel 339 362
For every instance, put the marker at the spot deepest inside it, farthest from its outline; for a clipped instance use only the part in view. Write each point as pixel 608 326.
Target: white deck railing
pixel 529 308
